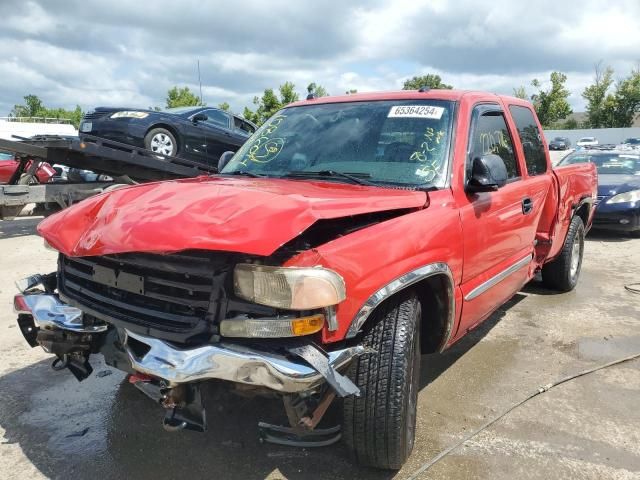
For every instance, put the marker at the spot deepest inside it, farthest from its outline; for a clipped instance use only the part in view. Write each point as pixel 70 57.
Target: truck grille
pixel 170 293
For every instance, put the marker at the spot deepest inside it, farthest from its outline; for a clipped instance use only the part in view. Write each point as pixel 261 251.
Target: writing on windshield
pixel 399 142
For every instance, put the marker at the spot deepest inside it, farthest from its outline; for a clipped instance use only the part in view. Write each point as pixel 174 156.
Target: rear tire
pixel 562 273
pixel 379 426
pixel 161 141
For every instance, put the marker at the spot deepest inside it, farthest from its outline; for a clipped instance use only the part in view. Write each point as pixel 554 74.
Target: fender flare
pixel 575 208
pixel 400 283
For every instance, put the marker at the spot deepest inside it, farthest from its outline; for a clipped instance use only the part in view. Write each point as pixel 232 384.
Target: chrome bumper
pixel 231 362
pixel 223 361
pixel 50 313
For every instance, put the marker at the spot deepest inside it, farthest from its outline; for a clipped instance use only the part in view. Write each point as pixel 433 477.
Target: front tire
pixel 161 141
pixel 562 273
pixel 379 426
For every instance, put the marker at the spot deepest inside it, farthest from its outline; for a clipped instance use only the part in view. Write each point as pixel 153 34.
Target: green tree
pixel 317 90
pixel 569 124
pixel 33 107
pixel 182 97
pixel 551 104
pixel 430 80
pixel 623 106
pixel 521 92
pixel 224 106
pixel 250 115
pixel 288 94
pixel 596 96
pixel 270 103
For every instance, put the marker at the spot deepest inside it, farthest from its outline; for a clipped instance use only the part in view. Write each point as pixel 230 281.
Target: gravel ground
pixel 52 426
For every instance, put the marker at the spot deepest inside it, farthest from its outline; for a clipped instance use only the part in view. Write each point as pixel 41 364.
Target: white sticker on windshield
pixel 416 111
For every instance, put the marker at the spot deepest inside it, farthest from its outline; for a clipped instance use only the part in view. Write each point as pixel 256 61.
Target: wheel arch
pixel 171 128
pixel 434 286
pixel 583 210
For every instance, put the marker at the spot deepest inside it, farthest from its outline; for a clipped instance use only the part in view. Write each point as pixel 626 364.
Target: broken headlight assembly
pixel 289 288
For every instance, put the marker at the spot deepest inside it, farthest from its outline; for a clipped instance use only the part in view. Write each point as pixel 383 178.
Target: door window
pixel 531 140
pixel 491 136
pixel 217 118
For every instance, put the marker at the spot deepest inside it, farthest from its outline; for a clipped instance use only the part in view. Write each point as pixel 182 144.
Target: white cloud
pixel 123 52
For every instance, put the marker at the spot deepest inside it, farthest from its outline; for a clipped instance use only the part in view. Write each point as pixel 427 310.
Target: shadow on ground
pixel 105 428
pixel 19 228
pixel 608 236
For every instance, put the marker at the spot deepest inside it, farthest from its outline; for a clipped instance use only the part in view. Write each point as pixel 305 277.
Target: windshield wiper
pixel 355 177
pixel 245 173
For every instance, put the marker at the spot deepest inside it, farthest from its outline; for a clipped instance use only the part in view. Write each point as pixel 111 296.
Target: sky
pixel 129 53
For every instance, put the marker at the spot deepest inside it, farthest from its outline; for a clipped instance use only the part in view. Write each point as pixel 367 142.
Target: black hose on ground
pixel 540 390
pixel 633 288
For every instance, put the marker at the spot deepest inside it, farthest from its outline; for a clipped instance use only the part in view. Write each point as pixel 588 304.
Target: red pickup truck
pixel 347 237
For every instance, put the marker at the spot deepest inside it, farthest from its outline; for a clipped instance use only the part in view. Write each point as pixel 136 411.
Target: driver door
pixel 497 243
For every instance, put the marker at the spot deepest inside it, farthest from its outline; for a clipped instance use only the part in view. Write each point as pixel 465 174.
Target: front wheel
pixel 161 141
pixel 379 426
pixel 563 272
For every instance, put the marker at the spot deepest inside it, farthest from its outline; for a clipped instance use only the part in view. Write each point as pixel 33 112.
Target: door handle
pixel 527 206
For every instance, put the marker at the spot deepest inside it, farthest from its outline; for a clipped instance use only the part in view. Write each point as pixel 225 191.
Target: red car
pixel 9 164
pixel 345 238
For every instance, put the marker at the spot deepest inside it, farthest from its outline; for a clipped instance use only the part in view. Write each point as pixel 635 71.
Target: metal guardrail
pixel 64 121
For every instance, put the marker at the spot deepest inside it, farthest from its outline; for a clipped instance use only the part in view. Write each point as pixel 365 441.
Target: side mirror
pixel 488 174
pixel 199 117
pixel 224 159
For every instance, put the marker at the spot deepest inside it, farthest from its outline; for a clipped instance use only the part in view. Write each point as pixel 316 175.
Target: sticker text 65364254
pixel 416 111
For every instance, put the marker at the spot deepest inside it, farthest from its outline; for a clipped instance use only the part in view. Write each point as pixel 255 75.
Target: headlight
pixel 626 197
pixel 271 327
pixel 129 114
pixel 291 288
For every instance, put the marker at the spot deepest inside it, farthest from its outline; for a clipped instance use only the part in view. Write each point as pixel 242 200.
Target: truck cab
pixel 345 238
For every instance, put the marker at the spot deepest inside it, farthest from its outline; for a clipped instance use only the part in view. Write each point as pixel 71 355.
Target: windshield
pixel 558 139
pixel 399 142
pixel 608 163
pixel 586 139
pixel 6 156
pixel 632 141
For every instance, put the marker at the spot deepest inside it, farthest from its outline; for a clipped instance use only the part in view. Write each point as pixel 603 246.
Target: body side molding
pixel 484 286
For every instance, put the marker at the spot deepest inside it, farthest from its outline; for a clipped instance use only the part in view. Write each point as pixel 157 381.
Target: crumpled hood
pixel 253 216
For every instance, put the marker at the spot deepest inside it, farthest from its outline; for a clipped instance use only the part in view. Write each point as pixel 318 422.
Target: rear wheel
pixel 563 272
pixel 379 426
pixel 161 141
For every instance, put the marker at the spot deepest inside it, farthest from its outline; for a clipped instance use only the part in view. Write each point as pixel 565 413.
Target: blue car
pixel 200 134
pixel 618 205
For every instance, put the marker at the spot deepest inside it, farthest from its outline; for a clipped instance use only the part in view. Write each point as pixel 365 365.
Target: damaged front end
pixel 306 377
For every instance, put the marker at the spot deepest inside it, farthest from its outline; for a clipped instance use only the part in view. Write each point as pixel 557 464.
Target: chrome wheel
pixel 576 256
pixel 162 143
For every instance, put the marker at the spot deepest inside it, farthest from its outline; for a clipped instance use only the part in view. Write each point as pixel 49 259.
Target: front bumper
pixel 223 361
pixel 123 130
pixel 618 217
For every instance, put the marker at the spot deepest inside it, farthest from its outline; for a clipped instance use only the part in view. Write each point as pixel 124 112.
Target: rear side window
pixel 242 125
pixel 531 140
pixel 491 135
